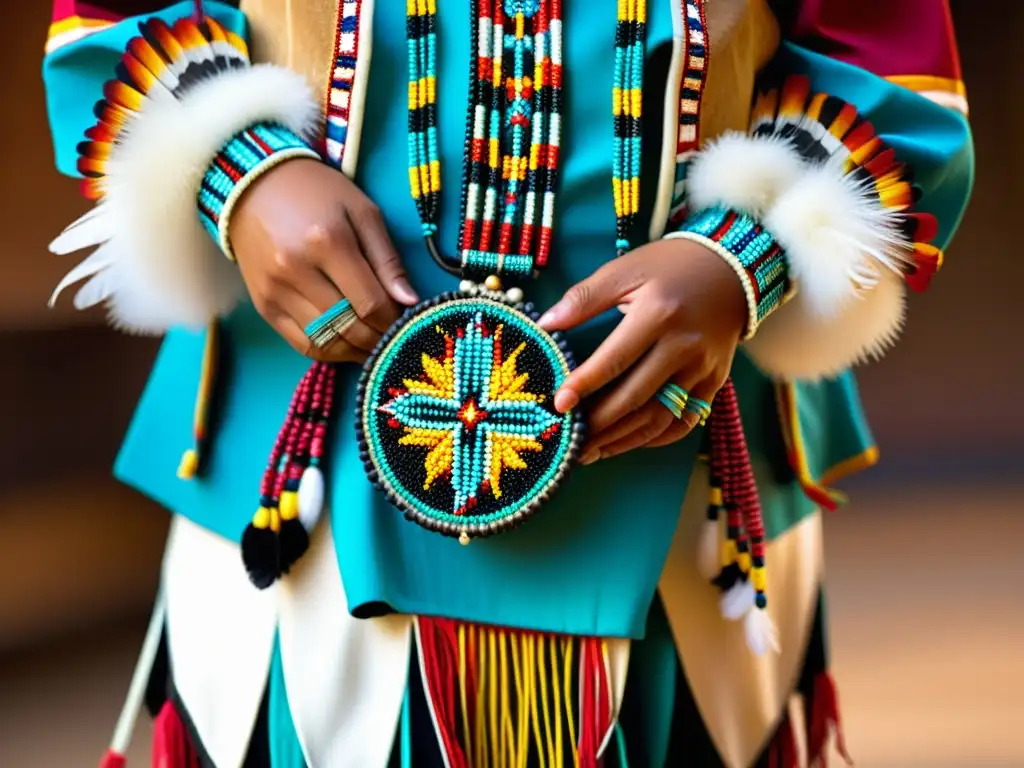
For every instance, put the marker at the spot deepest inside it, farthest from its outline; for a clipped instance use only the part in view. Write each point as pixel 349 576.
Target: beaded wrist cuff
pixel 241 161
pixel 759 261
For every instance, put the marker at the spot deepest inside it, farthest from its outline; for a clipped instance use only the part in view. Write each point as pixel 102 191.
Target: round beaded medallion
pixel 456 414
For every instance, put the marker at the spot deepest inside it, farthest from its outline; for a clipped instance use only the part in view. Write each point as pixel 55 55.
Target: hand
pixel 685 311
pixel 304 237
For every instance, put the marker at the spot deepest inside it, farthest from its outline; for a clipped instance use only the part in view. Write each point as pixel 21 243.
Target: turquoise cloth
pixel 590 562
pixel 285 749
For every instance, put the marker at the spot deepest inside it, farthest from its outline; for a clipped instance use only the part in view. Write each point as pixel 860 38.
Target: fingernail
pixel 548 319
pixel 590 457
pixel 566 400
pixel 404 292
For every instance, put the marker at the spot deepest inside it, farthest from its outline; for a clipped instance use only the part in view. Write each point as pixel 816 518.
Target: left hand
pixel 685 311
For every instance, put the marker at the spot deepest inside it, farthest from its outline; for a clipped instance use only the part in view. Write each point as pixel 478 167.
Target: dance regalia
pixel 822 151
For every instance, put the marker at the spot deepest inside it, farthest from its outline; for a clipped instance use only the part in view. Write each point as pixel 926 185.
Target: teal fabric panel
pixel 285 749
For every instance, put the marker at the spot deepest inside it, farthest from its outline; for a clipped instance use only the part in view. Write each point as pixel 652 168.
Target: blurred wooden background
pixel 924 573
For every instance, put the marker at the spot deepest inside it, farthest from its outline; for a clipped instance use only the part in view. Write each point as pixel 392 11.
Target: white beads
pixel 467 286
pixel 515 295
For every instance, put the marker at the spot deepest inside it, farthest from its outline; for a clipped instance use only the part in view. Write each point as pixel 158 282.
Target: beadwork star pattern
pixel 472 411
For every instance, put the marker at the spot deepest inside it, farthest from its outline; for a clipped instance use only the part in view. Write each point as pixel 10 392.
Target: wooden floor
pixel 927 621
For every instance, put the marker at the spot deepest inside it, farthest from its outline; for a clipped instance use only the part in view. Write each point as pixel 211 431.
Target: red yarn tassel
pixel 822 721
pixel 172 747
pixel 439 644
pixel 595 709
pixel 782 752
pixel 112 759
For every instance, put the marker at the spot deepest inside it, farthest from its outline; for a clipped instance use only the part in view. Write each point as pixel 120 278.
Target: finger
pixel 623 347
pixel 617 431
pixel 641 385
pixel 319 292
pixel 704 391
pixel 597 294
pixel 660 421
pixel 338 352
pixel 340 257
pixel 380 252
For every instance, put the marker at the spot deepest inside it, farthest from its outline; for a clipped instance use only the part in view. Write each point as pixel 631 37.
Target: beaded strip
pixel 343 77
pixel 240 162
pixel 690 95
pixel 512 134
pixel 751 251
pixel 627 101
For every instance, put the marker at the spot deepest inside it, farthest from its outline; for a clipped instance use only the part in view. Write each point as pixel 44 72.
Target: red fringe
pixel 439 645
pixel 823 720
pixel 112 759
pixel 782 752
pixel 172 747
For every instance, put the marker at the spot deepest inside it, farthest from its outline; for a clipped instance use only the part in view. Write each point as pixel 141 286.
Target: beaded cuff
pixel 759 261
pixel 246 157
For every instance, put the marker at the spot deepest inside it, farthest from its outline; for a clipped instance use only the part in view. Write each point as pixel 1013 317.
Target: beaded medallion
pixel 456 416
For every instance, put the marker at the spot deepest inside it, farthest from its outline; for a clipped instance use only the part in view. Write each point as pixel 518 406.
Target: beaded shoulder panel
pixel 456 416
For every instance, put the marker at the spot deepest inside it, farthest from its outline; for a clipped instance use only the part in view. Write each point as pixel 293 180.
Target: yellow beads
pixel 289 505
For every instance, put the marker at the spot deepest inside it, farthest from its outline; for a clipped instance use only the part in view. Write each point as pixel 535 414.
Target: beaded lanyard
pixel 513 134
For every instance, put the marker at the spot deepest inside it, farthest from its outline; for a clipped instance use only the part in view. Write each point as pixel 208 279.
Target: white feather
pixel 161 267
pixel 96 291
pixel 737 601
pixel 760 631
pixel 97 261
pixel 708 559
pixel 92 228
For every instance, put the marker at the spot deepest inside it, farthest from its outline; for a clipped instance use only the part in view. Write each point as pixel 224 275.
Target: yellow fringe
pixel 540 672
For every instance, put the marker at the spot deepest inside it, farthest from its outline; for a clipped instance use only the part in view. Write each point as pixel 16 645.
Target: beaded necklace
pixel 513 132
pixel 456 418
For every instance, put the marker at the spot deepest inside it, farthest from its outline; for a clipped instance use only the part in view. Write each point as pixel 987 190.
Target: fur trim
pixel 846 258
pixel 156 266
pixel 743 172
pixel 796 344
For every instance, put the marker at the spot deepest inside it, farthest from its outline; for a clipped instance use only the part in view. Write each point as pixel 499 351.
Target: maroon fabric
pixel 107 10
pixel 886 37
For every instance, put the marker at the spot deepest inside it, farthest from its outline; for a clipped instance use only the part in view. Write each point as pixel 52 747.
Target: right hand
pixel 304 237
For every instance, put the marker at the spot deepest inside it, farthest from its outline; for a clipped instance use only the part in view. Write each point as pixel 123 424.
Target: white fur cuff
pixel 156 266
pixel 844 250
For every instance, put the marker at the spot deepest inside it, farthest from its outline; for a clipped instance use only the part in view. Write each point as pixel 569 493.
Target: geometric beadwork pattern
pixel 456 416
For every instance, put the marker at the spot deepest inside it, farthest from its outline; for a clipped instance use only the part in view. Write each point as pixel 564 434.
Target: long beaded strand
pixel 513 131
pixel 627 101
pixel 292 488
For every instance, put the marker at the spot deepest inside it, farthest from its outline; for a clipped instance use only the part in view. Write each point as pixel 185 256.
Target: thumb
pixel 589 298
